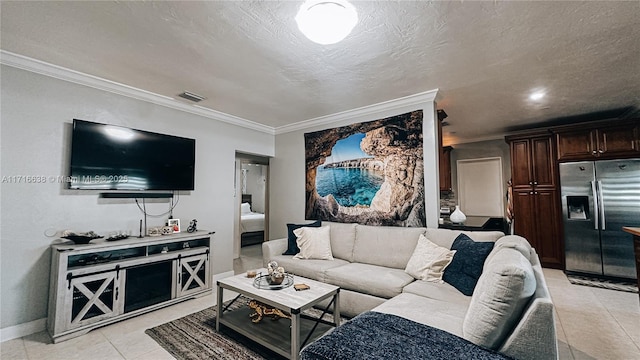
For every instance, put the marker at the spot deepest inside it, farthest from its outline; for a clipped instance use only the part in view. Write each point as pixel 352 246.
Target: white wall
pixel 36 113
pixel 287 191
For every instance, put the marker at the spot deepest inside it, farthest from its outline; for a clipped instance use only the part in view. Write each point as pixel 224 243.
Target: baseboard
pixel 20 330
pixel 32 327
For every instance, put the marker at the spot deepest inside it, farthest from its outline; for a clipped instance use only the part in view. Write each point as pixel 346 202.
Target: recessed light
pixel 537 95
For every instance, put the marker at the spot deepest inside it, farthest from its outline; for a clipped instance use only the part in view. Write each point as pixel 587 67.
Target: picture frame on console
pixel 175 223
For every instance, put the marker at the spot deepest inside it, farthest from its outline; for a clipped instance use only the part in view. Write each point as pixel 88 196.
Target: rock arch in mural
pixel 381 183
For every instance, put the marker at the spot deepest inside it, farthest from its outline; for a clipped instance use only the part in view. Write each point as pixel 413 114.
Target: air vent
pixel 191 96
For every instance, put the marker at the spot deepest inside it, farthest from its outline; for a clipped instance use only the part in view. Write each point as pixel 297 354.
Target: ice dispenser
pixel 578 207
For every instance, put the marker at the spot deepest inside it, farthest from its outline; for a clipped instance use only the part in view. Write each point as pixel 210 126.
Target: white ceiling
pixel 249 59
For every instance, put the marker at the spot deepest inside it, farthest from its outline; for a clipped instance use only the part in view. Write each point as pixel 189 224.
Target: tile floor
pixel 592 324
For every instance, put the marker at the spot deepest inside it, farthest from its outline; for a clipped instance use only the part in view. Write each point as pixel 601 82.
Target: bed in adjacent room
pixel 251 223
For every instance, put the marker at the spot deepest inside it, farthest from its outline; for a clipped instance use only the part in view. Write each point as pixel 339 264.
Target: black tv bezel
pixel 128 190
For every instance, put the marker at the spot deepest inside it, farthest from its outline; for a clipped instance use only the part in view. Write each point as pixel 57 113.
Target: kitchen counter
pixel 476 223
pixel 635 231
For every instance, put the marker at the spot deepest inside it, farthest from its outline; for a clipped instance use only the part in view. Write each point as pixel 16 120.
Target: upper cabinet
pixel 444 156
pixel 599 140
pixel 445 168
pixel 532 160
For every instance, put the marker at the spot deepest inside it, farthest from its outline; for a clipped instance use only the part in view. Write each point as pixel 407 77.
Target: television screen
pixel 107 157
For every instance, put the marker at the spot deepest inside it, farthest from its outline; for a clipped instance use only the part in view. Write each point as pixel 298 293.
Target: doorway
pixel 252 201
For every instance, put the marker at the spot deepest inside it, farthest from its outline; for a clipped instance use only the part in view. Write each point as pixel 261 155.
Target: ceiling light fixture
pixel 326 21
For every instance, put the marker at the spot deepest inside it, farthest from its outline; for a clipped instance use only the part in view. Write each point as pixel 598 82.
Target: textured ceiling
pixel 249 59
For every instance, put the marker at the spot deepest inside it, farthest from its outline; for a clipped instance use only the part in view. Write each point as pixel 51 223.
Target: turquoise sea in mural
pixel 349 186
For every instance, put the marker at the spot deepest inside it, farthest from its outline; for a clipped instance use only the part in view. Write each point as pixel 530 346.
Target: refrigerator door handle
pixel 601 205
pixel 594 191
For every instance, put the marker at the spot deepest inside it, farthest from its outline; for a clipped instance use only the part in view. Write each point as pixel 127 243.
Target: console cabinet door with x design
pixel 192 274
pixel 93 298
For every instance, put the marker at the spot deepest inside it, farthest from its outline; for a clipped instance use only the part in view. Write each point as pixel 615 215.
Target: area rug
pixel 194 337
pixel 627 286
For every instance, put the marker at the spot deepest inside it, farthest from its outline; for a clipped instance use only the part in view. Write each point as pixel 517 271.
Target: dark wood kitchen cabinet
pixel 532 161
pixel 536 194
pixel 610 139
pixel 537 220
pixel 444 156
pixel 445 168
pixel 636 248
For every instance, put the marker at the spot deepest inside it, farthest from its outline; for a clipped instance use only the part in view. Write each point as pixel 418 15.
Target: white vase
pixel 457 216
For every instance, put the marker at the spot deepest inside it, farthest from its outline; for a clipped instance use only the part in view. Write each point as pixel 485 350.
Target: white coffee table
pixel 283 335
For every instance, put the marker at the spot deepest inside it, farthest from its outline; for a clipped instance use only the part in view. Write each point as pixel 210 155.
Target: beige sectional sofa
pixel 369 266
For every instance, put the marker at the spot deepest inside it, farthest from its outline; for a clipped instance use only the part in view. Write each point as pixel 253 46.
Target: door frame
pixel 244 158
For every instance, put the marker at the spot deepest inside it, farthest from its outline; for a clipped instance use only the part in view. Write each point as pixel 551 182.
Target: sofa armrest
pixel 273 248
pixel 534 337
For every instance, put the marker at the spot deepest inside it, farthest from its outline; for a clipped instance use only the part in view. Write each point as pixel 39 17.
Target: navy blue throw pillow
pixel 292 246
pixel 466 267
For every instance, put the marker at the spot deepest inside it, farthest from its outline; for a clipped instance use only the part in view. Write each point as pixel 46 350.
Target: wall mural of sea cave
pixel 369 173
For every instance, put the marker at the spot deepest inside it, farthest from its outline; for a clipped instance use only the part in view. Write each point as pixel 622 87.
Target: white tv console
pixel 104 282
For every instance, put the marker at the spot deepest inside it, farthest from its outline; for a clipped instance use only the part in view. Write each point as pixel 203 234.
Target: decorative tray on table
pixel 80 237
pixel 264 282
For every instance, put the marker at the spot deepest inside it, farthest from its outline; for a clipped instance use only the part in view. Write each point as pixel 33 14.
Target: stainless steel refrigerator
pixel 598 199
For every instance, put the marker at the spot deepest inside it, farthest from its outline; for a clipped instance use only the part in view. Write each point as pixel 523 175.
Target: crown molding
pixel 62 73
pixel 65 74
pixel 400 103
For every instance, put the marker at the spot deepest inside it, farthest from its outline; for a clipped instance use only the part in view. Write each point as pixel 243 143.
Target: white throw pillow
pixel 314 243
pixel 245 208
pixel 428 260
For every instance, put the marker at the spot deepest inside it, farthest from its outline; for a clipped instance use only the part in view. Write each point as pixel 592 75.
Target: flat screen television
pixel 108 157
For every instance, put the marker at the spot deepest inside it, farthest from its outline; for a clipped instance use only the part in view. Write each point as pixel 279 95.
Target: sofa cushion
pixel 428 260
pixel 312 269
pixel 314 243
pixel 343 236
pixel 445 237
pixel 292 246
pixel 369 279
pixel 437 291
pixel 385 245
pixel 466 267
pixel 440 314
pixel 503 291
